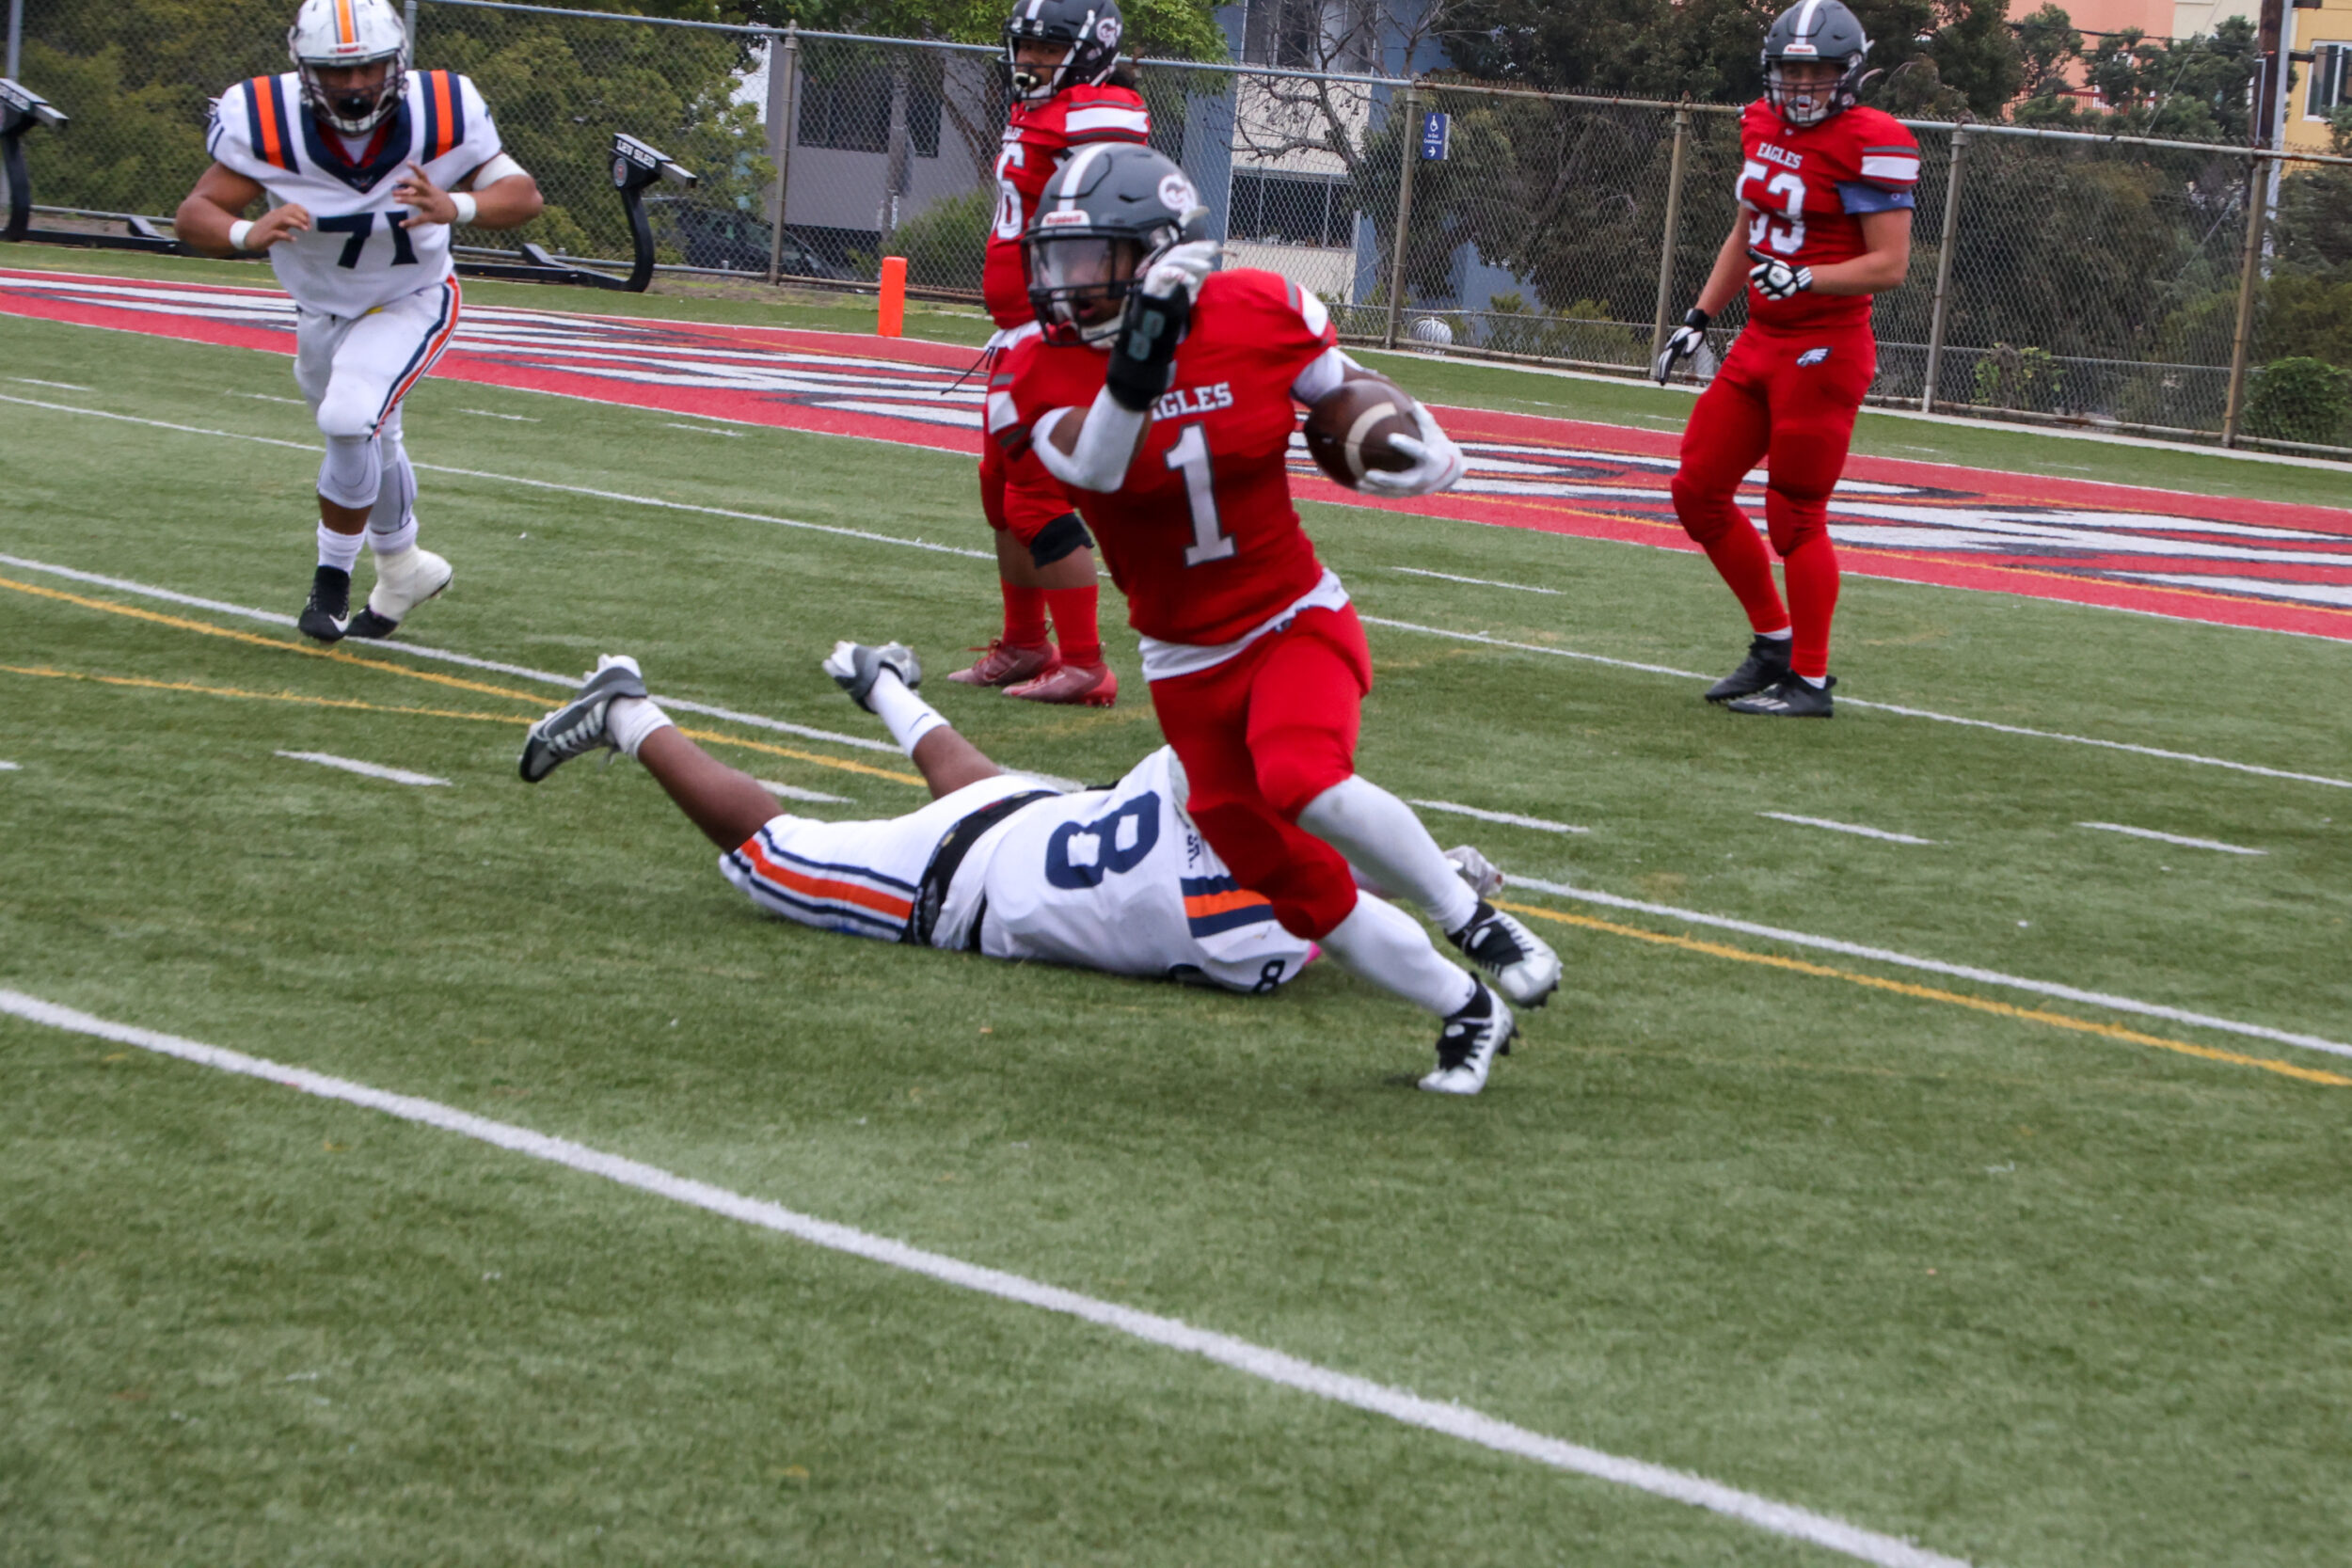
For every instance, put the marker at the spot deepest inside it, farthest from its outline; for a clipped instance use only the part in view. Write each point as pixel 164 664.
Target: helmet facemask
pixel 353 111
pixel 1813 101
pixel 1078 281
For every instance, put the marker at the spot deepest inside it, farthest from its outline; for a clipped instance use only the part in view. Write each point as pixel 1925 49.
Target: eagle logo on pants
pixel 1812 357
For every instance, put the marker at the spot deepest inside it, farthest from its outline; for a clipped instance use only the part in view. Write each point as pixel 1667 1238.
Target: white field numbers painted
pixel 1785 239
pixel 1208 542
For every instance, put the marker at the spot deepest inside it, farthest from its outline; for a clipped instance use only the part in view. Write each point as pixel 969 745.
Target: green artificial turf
pixel 2032 1295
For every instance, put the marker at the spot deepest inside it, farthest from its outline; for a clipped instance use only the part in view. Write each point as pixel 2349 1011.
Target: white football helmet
pixel 348 33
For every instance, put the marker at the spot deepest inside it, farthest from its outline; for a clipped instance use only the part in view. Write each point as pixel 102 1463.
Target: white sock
pixel 910 717
pixel 1782 635
pixel 1816 682
pixel 339 551
pixel 1379 832
pixel 1381 943
pixel 629 719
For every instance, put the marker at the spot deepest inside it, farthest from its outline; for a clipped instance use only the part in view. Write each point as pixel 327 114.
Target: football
pixel 1350 428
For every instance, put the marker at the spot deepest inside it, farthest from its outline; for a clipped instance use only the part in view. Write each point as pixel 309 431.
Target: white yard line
pixel 1258 1361
pixel 494 414
pixel 1476 582
pixel 794 792
pixel 1479 638
pixel 264 397
pixel 1937 966
pixel 1512 818
pixel 7 768
pixel 1854 828
pixel 2173 838
pixel 1485 641
pixel 368 769
pixel 701 429
pixel 523 671
pixel 60 386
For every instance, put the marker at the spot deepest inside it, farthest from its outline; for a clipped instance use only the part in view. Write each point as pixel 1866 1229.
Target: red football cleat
pixel 1003 663
pixel 1085 684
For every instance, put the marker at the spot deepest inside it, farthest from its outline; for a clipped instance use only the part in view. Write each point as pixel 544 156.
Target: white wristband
pixel 237 232
pixel 466 206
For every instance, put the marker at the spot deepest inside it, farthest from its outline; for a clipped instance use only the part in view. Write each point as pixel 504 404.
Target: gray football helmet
pixel 1102 221
pixel 1822 31
pixel 1090 28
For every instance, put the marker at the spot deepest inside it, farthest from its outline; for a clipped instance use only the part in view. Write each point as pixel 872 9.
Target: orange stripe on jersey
pixel 268 116
pixel 1200 905
pixel 826 887
pixel 444 123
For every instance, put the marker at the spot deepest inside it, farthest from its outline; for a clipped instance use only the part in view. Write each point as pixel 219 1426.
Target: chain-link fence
pixel 2142 285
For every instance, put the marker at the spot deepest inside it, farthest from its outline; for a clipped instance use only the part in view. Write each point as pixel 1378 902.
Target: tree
pixel 2047 45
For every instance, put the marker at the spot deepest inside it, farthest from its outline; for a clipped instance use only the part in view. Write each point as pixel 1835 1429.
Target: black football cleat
pixel 1766 664
pixel 328 615
pixel 1468 1044
pixel 580 726
pixel 1521 964
pixel 1792 697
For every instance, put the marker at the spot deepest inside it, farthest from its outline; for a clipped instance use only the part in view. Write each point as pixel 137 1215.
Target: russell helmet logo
pixel 1812 357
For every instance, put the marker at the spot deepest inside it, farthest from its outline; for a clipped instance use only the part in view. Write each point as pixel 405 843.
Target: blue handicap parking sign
pixel 1437 131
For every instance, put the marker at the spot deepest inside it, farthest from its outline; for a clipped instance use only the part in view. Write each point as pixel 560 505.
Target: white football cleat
pixel 1522 966
pixel 402 581
pixel 1468 1044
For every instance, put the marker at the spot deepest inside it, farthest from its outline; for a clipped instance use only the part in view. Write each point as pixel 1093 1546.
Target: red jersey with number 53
pixel 1805 192
pixel 1037 138
pixel 1202 538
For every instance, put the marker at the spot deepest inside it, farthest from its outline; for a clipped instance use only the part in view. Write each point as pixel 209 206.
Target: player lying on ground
pixel 1116 879
pixel 1162 396
pixel 366 166
pixel 1069 90
pixel 1825 223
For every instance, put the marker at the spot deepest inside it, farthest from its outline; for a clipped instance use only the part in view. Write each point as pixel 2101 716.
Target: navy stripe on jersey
pixel 802 862
pixel 429 348
pixel 391 143
pixel 1213 904
pixel 268 131
pixel 443 132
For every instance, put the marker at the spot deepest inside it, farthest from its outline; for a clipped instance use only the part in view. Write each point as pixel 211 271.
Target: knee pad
pixel 1794 521
pixel 1065 535
pixel 343 413
pixel 1296 766
pixel 352 472
pixel 1703 511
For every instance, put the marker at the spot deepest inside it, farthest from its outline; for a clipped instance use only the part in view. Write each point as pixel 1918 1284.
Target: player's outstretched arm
pixel 506 200
pixel 209 221
pixel 1730 271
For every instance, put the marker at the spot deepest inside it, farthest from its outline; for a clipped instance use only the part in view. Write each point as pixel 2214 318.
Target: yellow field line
pixel 49 673
pixel 537 698
pixel 1929 993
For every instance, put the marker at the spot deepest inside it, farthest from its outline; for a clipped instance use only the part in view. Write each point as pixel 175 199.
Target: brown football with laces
pixel 1350 429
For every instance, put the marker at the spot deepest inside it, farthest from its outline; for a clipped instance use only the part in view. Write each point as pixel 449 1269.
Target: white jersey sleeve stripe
pixel 1099 117
pixel 1890 168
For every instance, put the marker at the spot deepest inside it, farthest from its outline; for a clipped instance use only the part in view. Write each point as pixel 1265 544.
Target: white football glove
pixel 1437 463
pixel 1181 267
pixel 1681 343
pixel 1475 869
pixel 1775 279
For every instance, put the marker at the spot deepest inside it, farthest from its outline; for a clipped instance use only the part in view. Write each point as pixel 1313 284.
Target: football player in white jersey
pixel 1117 879
pixel 365 165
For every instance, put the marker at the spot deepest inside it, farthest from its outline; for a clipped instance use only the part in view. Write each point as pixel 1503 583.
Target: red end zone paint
pixel 2232 562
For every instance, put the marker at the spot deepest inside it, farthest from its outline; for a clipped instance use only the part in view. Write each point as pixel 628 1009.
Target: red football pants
pixel 1790 398
pixel 1018 494
pixel 1261 736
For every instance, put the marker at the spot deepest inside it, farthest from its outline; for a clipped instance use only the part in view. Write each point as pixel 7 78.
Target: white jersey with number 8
pixel 356 256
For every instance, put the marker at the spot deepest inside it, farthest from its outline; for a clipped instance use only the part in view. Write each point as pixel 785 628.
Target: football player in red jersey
pixel 1825 223
pixel 1163 395
pixel 1069 90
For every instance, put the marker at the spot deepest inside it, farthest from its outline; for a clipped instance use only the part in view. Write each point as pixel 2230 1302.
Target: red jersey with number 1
pixel 1806 190
pixel 1037 139
pixel 1202 538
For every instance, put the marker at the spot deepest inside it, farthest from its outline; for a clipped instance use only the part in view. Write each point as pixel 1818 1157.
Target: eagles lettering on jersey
pixel 356 256
pixel 1805 191
pixel 1202 537
pixel 1037 139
